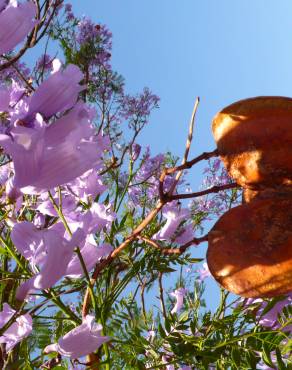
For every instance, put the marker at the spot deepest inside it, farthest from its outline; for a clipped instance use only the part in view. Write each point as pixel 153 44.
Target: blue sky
pixel 222 51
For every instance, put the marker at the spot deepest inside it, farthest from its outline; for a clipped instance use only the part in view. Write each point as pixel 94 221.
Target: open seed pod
pixel 250 248
pixel 254 139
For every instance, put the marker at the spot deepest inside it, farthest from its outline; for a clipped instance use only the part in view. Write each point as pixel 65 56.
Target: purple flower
pixel 91 255
pixel 16 20
pixel 270 319
pixel 4 99
pixel 46 207
pixel 136 149
pixel 68 7
pixel 204 272
pixel 179 296
pixel 81 341
pixel 16 332
pixel 184 235
pixel 46 248
pixel 139 106
pixel 174 216
pixel 47 156
pixel 86 31
pixel 89 185
pixel 57 93
pixel 44 63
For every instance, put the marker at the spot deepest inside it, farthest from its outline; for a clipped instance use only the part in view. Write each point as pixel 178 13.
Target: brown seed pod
pixel 254 139
pixel 279 192
pixel 250 248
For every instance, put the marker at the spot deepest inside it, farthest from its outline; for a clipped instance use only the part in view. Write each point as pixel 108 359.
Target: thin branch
pixel 161 295
pixel 213 189
pixel 188 145
pixel 186 165
pixel 179 250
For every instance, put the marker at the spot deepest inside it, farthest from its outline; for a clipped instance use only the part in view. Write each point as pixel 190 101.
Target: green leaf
pixel 236 356
pixel 280 362
pixel 161 331
pixel 266 355
pixel 195 260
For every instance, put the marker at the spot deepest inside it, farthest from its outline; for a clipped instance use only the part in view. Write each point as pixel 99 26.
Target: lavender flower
pixel 87 186
pixel 17 331
pixel 56 94
pixel 45 157
pixel 204 272
pixel 179 295
pixel 174 217
pixel 86 30
pixel 270 319
pixel 91 255
pixel 44 63
pixel 16 20
pixel 133 107
pixel 81 341
pixel 136 149
pixel 46 248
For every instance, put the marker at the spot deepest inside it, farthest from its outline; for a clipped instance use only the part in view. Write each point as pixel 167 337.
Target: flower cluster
pixel 51 141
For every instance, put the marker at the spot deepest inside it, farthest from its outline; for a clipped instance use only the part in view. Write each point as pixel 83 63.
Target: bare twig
pixel 179 250
pixel 186 165
pixel 188 145
pixel 213 189
pixel 161 295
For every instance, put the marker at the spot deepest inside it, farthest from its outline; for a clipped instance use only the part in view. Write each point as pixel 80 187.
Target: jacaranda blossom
pixel 57 93
pixel 174 217
pixel 270 318
pixel 47 156
pixel 81 341
pixel 91 254
pixel 179 295
pixel 16 21
pixel 204 272
pixel 48 250
pixel 16 332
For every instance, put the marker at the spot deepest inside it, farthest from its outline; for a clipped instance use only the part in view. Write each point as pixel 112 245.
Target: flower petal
pixel 16 23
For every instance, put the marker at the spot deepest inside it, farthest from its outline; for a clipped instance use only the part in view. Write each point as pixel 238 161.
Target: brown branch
pixel 186 165
pixel 213 189
pixel 161 295
pixel 188 145
pixel 179 250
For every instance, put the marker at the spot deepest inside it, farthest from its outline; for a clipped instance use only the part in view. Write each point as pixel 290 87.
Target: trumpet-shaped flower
pixel 57 93
pixel 47 156
pixel 179 295
pixel 46 248
pixel 16 20
pixel 91 254
pixel 89 185
pixel 174 216
pixel 204 272
pixel 80 341
pixel 17 331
